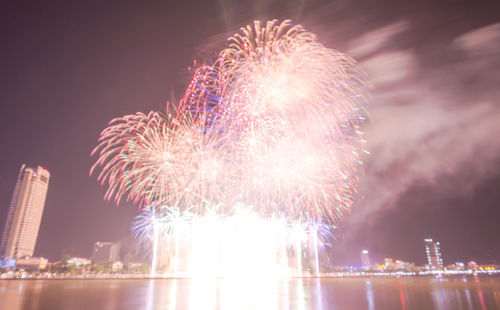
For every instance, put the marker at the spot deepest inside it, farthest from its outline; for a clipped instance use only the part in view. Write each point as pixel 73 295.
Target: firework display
pixel 266 139
pixel 155 159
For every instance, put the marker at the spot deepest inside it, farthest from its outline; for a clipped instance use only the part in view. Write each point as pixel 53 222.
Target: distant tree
pixel 145 268
pixel 98 268
pixel 67 253
pixel 73 269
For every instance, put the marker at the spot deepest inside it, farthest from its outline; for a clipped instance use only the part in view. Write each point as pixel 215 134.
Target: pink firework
pixel 274 123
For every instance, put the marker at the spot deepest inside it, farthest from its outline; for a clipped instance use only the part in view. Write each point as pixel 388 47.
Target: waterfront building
pixel 456 266
pixel 398 265
pixel 117 266
pixel 78 262
pixel 134 267
pixel 433 253
pixel 31 264
pixel 403 266
pixel 388 263
pixel 24 215
pixel 105 252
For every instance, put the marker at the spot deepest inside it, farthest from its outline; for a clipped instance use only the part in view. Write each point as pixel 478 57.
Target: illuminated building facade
pixel 31 264
pixel 25 214
pixel 78 262
pixel 433 252
pixel 106 252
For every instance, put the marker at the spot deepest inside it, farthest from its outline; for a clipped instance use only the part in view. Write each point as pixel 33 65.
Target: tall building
pixel 433 252
pixel 365 259
pixel 106 252
pixel 25 213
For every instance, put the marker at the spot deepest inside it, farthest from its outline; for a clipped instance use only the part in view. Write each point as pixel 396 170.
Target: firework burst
pixel 291 110
pixel 273 124
pixel 156 159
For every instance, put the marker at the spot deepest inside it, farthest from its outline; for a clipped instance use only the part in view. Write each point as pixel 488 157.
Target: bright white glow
pixel 241 245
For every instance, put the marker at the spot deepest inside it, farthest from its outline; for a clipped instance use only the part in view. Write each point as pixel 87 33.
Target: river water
pixel 310 293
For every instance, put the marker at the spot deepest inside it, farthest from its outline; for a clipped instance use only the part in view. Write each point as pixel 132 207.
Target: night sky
pixel 68 67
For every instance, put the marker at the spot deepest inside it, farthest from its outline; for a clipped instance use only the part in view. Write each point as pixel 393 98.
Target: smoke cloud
pixel 428 120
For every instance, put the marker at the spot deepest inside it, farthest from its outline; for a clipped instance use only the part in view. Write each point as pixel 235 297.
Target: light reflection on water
pixel 253 293
pixel 369 295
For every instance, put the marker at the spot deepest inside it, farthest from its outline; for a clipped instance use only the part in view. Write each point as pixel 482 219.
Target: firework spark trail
pixel 273 123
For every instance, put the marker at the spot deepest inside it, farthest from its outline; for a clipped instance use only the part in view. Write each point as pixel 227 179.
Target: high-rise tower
pixel 25 213
pixel 105 252
pixel 433 252
pixel 365 259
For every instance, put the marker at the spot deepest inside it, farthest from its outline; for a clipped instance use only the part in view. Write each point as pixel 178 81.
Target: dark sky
pixel 68 67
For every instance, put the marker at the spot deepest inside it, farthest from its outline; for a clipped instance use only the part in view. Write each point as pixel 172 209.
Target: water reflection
pixel 300 295
pixel 309 293
pixel 369 295
pixel 319 295
pixel 252 293
pixel 480 293
pixel 150 295
pixel 235 293
pixel 468 298
pixel 401 295
pixel 202 294
pixel 438 294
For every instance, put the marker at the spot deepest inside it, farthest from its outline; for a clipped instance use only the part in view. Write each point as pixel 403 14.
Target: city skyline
pixel 433 255
pixel 82 71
